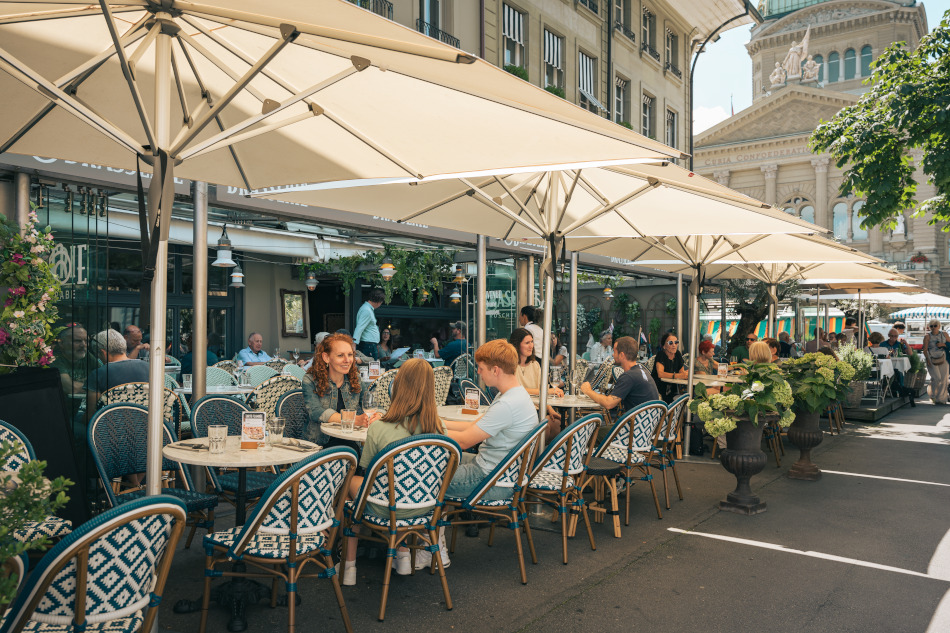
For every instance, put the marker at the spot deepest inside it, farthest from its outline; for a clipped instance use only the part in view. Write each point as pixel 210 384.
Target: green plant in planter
pixel 917 363
pixel 517 71
pixel 626 124
pixel 32 499
pixel 556 91
pixel 763 390
pixel 817 380
pixel 861 361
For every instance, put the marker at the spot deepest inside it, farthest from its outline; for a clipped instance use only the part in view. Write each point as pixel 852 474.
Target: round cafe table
pixel 220 390
pixel 453 412
pixel 358 434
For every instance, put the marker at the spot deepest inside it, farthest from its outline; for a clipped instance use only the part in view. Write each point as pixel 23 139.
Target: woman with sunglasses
pixel 668 364
pixel 935 346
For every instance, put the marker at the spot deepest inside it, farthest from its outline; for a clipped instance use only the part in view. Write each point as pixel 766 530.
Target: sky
pixel 723 78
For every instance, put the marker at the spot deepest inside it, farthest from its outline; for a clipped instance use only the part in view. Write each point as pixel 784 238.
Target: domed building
pixel 810 58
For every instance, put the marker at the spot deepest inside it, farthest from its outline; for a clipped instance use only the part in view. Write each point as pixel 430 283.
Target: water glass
pixel 347 420
pixel 296 354
pixel 245 379
pixel 274 432
pixel 186 381
pixel 369 403
pixel 217 438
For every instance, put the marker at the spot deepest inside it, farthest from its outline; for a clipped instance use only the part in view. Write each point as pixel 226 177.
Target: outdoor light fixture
pixel 456 296
pixel 425 295
pixel 387 269
pixel 237 276
pixel 608 293
pixel 68 200
pixel 224 252
pixel 42 194
pixel 311 281
pixel 83 201
pixel 102 205
pixel 459 275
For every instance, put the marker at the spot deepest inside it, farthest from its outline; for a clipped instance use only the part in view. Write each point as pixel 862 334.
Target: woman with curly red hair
pixel 331 385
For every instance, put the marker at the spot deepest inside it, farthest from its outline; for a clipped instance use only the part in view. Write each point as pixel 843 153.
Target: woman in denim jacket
pixel 331 384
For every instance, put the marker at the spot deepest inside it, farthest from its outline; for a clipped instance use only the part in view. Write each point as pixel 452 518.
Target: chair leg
pixel 676 477
pixel 335 580
pixel 615 504
pixel 206 598
pixel 437 558
pixel 455 533
pixel 387 573
pixel 291 603
pixel 527 532
pixel 191 534
pixel 491 534
pixel 666 487
pixel 656 500
pixel 562 510
pixel 590 532
pixel 519 549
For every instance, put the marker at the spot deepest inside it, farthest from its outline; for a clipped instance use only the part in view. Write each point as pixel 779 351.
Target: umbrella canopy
pixel 922 313
pixel 897 299
pixel 845 288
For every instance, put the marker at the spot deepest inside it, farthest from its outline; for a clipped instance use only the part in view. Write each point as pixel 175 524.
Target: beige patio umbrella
pixel 255 94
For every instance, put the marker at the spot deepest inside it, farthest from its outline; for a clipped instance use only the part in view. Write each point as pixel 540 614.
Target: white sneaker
pixel 349 574
pixel 402 563
pixel 424 557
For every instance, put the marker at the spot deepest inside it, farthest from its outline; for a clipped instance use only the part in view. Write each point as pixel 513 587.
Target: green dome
pixel 776 8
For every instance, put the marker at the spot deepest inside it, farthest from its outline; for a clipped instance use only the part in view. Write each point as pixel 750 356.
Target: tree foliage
pixel 907 109
pixel 751 302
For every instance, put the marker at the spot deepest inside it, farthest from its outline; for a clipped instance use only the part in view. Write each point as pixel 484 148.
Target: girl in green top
pixel 412 411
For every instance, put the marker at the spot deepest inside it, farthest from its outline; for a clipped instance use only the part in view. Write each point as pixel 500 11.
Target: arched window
pixel 857 233
pixel 866 59
pixel 808 213
pixel 790 210
pixel 839 222
pixel 834 65
pixel 850 64
pixel 821 66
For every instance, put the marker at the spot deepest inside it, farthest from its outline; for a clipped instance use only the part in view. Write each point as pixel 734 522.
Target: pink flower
pixel 18 292
pixel 18 258
pixel 45 297
pixel 8 302
pixel 45 360
pixel 4 336
pixel 39 248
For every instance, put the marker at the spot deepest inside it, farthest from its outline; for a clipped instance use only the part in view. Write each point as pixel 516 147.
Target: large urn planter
pixel 806 434
pixel 856 391
pixel 744 459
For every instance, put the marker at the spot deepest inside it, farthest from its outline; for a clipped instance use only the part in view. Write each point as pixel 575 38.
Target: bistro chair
pixel 382 389
pixel 107 576
pixel 259 373
pixel 628 445
pixel 52 526
pixel 227 365
pixel 218 376
pixel 411 473
pixel 510 474
pixel 171 360
pixel 465 384
pixel 601 379
pixel 15 565
pixel 443 382
pixel 171 383
pixel 581 366
pixel 291 407
pixel 461 366
pixel 276 364
pixel 294 524
pixel 117 441
pixel 137 393
pixel 218 409
pixel 294 370
pixel 265 396
pixel 556 474
pixel 663 456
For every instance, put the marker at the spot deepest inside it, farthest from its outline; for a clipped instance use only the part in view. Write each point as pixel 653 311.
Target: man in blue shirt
pixel 454 348
pixel 366 332
pixel 254 353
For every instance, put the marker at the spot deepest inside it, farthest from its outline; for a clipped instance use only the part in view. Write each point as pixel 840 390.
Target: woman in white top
pixel 935 350
pixel 529 375
pixel 604 350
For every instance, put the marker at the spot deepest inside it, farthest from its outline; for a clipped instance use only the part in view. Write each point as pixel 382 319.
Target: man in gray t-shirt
pixel 118 370
pixel 510 417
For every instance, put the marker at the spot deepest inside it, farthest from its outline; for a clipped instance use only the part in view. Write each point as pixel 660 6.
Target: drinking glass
pixel 217 438
pixel 186 381
pixel 275 432
pixel 276 353
pixel 369 404
pixel 347 420
pixel 143 355
pixel 296 354
pixel 245 378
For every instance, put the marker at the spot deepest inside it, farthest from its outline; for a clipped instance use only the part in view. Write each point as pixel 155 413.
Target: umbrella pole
pixel 679 305
pixel 773 311
pixel 572 350
pixel 694 290
pixel 481 285
pixel 156 369
pixel 199 321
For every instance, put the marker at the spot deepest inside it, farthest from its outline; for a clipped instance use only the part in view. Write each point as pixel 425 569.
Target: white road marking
pixel 940 562
pixel 940 622
pixel 822 555
pixel 909 481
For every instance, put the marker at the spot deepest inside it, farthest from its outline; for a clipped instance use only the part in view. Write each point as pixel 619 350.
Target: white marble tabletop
pixel 569 402
pixel 234 457
pixel 220 390
pixel 454 413
pixel 358 434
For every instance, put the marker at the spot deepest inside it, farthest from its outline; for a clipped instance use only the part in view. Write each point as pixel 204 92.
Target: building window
pixel 672 53
pixel 553 60
pixel 647 125
pixel 800 207
pixel 620 104
pixel 671 131
pixel 648 34
pixel 839 221
pixel 808 213
pixel 587 83
pixel 849 64
pixel 821 67
pixel 430 12
pixel 857 233
pixel 513 30
pixel 866 59
pixel 834 65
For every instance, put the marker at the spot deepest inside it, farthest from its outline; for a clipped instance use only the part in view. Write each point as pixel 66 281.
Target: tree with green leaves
pixel 750 300
pixel 905 112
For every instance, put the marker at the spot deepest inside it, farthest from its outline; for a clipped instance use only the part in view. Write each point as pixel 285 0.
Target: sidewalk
pixel 863 549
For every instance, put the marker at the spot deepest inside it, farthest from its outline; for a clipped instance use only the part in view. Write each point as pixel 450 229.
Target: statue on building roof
pixel 810 71
pixel 796 54
pixel 778 76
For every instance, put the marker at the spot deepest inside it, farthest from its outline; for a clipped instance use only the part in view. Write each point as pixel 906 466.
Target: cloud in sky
pixel 704 117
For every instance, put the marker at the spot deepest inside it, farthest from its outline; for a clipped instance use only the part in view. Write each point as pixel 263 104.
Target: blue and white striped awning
pixel 933 312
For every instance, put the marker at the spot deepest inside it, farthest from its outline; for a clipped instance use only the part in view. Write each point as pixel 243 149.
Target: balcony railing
pixel 630 35
pixel 649 50
pixel 435 32
pixel 673 69
pixel 379 7
pixel 590 4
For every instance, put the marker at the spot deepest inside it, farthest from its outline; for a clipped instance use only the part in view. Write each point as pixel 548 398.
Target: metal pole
pixel 548 300
pixel 723 324
pixel 22 199
pixel 199 322
pixel 817 315
pixel 860 337
pixel 156 370
pixel 572 350
pixel 679 305
pixel 773 311
pixel 530 280
pixel 481 317
pixel 827 318
pixel 694 290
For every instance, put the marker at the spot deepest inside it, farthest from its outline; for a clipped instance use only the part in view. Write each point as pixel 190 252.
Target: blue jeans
pixel 467 478
pixel 369 349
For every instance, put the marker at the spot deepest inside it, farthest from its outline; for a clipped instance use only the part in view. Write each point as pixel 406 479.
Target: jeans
pixel 467 478
pixel 368 348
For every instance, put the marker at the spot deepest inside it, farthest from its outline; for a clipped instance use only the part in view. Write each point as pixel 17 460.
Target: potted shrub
pixel 817 381
pixel 862 362
pixel 741 414
pixel 917 375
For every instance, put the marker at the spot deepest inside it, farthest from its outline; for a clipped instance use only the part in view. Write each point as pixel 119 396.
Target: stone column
pixel 771 173
pixel 876 241
pixel 822 213
pixel 722 177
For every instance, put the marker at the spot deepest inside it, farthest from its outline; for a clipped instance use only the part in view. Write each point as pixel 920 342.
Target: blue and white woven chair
pixel 464 384
pixel 265 396
pixel 556 476
pixel 227 410
pixel 218 376
pixel 171 360
pixel 294 370
pixel 260 373
pixel 462 366
pixel 15 566
pixel 382 389
pixel 277 364
pixel 412 473
pixel 663 456
pixel 291 407
pixel 107 576
pixel 295 523
pixel 602 378
pixel 628 445
pixel 51 527
pixel 137 393
pixel 227 365
pixel 512 474
pixel 117 441
pixel 443 383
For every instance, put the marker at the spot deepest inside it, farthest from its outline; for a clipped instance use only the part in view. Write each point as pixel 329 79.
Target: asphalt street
pixel 866 548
